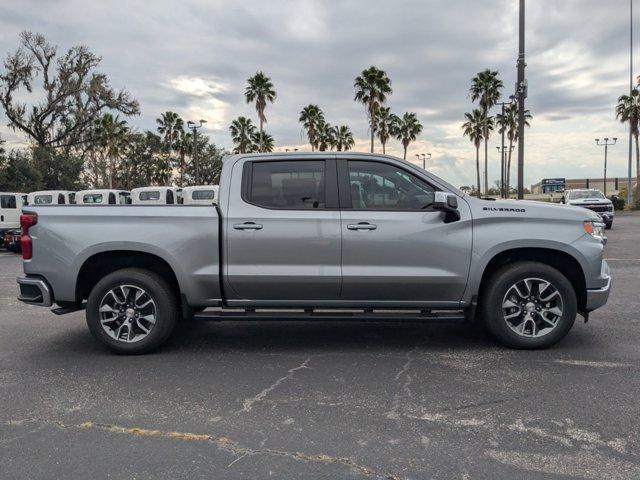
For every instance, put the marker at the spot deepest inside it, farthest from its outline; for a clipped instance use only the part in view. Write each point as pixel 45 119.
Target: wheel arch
pixel 103 263
pixel 564 262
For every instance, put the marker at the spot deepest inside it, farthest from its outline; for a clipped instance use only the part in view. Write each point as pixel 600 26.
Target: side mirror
pixel 447 203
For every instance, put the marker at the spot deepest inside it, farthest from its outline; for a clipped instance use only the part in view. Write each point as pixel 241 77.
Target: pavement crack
pixel 405 389
pixel 248 403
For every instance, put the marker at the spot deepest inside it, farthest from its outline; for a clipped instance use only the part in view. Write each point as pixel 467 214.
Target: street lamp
pixel 606 145
pixel 424 159
pixel 194 128
pixel 503 149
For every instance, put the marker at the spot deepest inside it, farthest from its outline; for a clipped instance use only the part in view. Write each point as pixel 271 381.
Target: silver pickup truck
pixel 318 235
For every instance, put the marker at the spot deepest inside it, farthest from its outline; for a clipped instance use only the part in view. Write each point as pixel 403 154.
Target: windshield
pixel 580 194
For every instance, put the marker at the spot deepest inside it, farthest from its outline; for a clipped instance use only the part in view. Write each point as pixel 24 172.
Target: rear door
pixel 282 231
pixel 396 248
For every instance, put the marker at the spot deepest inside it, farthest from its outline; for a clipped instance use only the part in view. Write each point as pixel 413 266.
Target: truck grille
pixel 597 208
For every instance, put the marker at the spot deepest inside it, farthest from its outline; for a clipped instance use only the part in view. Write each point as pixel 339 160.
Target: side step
pixel 303 314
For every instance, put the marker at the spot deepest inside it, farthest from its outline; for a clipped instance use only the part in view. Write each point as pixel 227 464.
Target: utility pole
pixel 194 128
pixel 521 90
pixel 424 159
pixel 606 145
pixel 503 151
pixel 629 195
pixel 503 170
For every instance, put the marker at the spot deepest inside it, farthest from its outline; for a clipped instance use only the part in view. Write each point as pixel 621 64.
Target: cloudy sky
pixel 194 57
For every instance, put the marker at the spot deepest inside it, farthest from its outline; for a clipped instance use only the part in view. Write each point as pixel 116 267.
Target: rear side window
pixel 152 195
pixel 72 198
pixel 124 198
pixel 380 186
pixel 297 185
pixel 43 199
pixel 61 199
pixel 112 198
pixel 92 198
pixel 203 195
pixel 169 197
pixel 7 201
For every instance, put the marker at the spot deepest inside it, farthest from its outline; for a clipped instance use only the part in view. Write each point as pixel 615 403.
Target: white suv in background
pixel 593 199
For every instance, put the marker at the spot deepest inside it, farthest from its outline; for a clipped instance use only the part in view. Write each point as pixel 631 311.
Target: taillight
pixel 27 220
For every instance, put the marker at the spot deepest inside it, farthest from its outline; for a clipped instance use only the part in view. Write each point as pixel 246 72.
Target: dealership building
pixel 551 185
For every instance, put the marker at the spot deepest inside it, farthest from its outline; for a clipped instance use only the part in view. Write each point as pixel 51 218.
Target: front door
pixel 282 232
pixel 396 248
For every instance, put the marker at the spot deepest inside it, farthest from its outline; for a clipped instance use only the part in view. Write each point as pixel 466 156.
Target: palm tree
pixel 628 110
pixel 407 129
pixel 111 135
pixel 485 87
pixel 385 125
pixel 508 123
pixel 310 117
pixel 260 90
pixel 242 131
pixel 342 138
pixel 372 87
pixel 324 136
pixel 262 142
pixel 170 125
pixel 475 128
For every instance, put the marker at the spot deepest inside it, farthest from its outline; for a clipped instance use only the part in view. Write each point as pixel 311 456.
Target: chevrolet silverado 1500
pixel 318 235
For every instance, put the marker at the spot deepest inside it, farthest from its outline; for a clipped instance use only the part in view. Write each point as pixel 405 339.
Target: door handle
pixel 362 226
pixel 247 226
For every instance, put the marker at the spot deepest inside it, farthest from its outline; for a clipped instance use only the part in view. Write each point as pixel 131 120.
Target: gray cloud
pixel 313 49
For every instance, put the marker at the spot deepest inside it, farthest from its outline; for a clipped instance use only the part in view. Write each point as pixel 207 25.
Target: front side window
pixel 43 200
pixel 92 198
pixel 380 186
pixel 288 185
pixel 148 196
pixel 203 194
pixel 8 201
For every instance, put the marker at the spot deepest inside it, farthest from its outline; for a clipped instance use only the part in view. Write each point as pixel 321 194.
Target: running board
pixel 221 314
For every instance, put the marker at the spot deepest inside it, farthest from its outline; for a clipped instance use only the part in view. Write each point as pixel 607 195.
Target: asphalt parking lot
pixel 322 400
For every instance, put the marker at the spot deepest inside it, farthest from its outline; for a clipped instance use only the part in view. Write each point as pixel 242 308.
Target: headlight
pixel 595 229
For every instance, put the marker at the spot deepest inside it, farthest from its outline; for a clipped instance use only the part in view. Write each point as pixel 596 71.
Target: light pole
pixel 502 158
pixel 503 154
pixel 424 159
pixel 606 145
pixel 194 128
pixel 521 90
pixel 629 195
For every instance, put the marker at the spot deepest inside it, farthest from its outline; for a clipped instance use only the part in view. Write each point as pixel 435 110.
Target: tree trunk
pixel 372 119
pixel 181 168
pixel 478 168
pixel 509 166
pixel 637 170
pixel 384 148
pixel 261 139
pixel 405 151
pixel 486 164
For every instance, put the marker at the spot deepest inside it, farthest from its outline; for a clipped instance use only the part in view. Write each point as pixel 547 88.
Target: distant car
pixel 10 208
pixel 51 197
pixel 156 196
pixel 103 197
pixel 594 200
pixel 200 195
pixel 11 240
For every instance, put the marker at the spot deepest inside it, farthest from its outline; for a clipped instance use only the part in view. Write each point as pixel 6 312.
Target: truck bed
pixel 185 237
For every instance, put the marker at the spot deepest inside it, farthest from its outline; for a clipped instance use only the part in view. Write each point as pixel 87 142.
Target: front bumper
pixel 597 297
pixel 35 291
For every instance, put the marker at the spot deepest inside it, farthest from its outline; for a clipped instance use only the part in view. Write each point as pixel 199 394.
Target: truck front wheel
pixel 132 311
pixel 528 305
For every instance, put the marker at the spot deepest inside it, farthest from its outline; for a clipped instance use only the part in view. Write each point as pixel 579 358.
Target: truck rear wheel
pixel 529 305
pixel 132 311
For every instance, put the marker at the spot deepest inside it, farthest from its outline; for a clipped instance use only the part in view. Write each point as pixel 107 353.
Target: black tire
pixel 496 288
pixel 608 226
pixel 166 309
